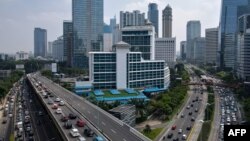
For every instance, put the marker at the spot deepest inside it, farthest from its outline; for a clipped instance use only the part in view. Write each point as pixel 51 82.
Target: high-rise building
pixel 153 16
pixel 199 50
pixel 114 30
pixel 243 48
pixel 107 42
pixel 135 18
pixel 141 39
pixel 230 11
pixel 165 49
pixel 183 49
pixel 68 42
pixel 123 69
pixel 167 22
pixel 49 51
pixel 58 49
pixel 211 45
pixel 193 31
pixel 40 42
pixel 87 30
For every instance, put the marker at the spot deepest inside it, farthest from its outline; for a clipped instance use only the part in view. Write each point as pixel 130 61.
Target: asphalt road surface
pixel 99 118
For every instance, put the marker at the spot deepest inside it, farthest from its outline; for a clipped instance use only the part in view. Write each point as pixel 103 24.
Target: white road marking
pixel 103 123
pixel 113 131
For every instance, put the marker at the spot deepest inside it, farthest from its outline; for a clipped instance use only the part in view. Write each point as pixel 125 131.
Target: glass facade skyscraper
pixel 230 11
pixel 40 42
pixel 68 41
pixel 87 29
pixel 153 16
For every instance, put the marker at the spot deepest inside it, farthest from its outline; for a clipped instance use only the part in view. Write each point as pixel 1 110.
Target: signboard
pixel 54 67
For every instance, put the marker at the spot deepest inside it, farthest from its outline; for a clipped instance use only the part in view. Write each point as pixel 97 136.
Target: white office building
pixel 107 41
pixel 122 69
pixel 21 55
pixel 165 49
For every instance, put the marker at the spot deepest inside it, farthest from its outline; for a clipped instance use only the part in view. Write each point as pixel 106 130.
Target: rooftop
pixel 121 108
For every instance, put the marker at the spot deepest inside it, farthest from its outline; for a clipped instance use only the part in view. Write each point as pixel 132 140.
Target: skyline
pixel 50 15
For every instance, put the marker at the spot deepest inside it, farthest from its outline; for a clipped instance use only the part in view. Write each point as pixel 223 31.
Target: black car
pixel 46 96
pixel 89 133
pixel 4 121
pixel 68 125
pixel 189 127
pixel 72 116
pixel 192 119
pixel 176 139
pixel 190 113
pixel 170 135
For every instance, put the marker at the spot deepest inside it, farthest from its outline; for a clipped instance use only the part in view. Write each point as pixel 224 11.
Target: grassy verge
pixel 205 130
pixel 153 134
pixel 12 138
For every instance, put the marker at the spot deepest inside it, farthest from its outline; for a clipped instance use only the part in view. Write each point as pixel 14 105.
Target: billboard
pixel 54 67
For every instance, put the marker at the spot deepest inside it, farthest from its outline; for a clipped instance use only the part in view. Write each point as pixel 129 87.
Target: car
pixel 40 113
pixel 4 121
pixel 74 132
pixel 189 127
pixel 173 127
pixel 31 133
pixel 80 123
pixel 68 125
pixel 188 107
pixel 46 96
pixel 57 100
pixel 170 135
pixel 80 138
pixel 179 131
pixel 55 106
pixel 64 119
pixel 196 109
pixel 19 134
pixel 51 95
pixel 98 138
pixel 192 105
pixel 72 116
pixel 89 133
pixel 190 113
pixel 50 102
pixel 61 103
pixel 192 119
pixel 59 111
pixel 184 137
pixel 176 139
pixel 182 115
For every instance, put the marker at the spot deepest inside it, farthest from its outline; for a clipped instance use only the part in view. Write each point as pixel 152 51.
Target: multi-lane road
pixel 113 128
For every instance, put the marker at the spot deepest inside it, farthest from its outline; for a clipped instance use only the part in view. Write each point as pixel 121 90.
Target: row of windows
pixel 105 67
pixel 146 66
pixel 149 83
pixel 104 57
pixel 105 77
pixel 134 32
pixel 136 40
pixel 134 57
pixel 105 86
pixel 146 75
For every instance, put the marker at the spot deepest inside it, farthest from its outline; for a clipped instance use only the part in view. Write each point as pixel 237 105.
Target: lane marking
pixel 113 131
pixel 103 123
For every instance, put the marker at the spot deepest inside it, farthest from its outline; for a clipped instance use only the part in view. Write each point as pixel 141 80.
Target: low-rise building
pixel 21 55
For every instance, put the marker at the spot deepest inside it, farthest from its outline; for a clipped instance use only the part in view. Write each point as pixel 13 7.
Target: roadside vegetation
pixel 7 83
pixel 151 133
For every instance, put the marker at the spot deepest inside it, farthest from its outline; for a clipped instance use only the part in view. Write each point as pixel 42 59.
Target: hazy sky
pixel 19 17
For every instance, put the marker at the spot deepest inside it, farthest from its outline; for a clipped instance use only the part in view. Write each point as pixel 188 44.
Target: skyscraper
pixel 135 18
pixel 167 22
pixel 183 49
pixel 87 29
pixel 243 48
pixel 230 11
pixel 199 50
pixel 141 39
pixel 153 16
pixel 40 42
pixel 68 42
pixel 211 45
pixel 193 31
pixel 58 49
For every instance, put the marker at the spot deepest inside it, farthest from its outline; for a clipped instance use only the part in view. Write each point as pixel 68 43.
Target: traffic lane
pixel 113 133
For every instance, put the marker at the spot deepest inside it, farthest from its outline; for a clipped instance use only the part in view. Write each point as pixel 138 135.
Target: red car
pixel 64 119
pixel 80 123
pixel 173 127
pixel 55 106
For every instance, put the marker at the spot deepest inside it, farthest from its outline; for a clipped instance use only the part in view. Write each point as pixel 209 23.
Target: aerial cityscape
pixel 124 70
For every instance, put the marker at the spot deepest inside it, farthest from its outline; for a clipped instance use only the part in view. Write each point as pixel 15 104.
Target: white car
pixel 81 138
pixel 74 132
pixel 184 136
pixel 59 111
pixel 57 100
pixel 61 103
